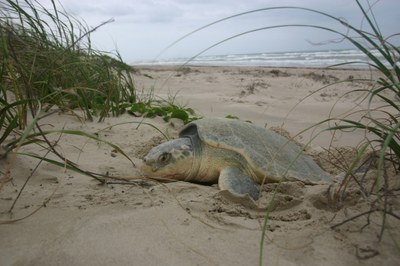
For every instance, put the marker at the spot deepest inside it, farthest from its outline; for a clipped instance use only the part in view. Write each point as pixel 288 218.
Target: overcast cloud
pixel 142 28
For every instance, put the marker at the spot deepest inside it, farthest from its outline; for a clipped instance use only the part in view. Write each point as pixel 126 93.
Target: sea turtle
pixel 236 154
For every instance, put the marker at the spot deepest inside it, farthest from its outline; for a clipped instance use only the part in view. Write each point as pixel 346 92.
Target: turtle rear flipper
pixel 236 182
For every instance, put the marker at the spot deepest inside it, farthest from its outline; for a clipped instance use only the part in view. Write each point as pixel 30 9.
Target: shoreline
pixel 178 66
pixel 347 58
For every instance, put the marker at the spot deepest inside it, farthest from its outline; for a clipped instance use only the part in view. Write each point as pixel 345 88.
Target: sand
pixel 65 218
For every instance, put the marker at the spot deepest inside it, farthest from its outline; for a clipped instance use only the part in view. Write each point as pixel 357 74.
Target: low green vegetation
pixel 166 110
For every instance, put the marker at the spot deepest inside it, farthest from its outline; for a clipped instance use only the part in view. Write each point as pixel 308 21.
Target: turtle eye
pixel 164 157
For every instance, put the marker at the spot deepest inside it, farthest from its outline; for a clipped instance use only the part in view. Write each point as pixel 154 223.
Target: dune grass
pixel 47 64
pixel 381 142
pixel 380 147
pixel 47 56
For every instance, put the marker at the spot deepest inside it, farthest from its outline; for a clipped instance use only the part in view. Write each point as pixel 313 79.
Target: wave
pixel 281 59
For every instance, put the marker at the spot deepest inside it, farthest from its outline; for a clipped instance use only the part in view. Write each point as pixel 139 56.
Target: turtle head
pixel 172 159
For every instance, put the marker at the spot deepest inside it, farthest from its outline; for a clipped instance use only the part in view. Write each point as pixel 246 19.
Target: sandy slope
pixel 149 223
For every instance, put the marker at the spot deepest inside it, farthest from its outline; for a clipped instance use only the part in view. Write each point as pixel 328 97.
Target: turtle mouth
pixel 151 172
pixel 147 169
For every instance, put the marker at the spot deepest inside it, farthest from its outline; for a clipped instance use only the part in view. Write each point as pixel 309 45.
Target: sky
pixel 141 29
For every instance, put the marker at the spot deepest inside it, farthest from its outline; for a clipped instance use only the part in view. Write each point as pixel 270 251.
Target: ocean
pixel 317 59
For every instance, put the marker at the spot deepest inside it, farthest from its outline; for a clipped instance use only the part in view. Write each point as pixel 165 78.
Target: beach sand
pixel 74 220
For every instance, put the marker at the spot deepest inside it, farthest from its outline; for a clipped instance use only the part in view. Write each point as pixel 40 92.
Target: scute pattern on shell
pixel 268 153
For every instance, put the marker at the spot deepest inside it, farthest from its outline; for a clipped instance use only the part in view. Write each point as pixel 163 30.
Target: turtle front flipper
pixel 236 182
